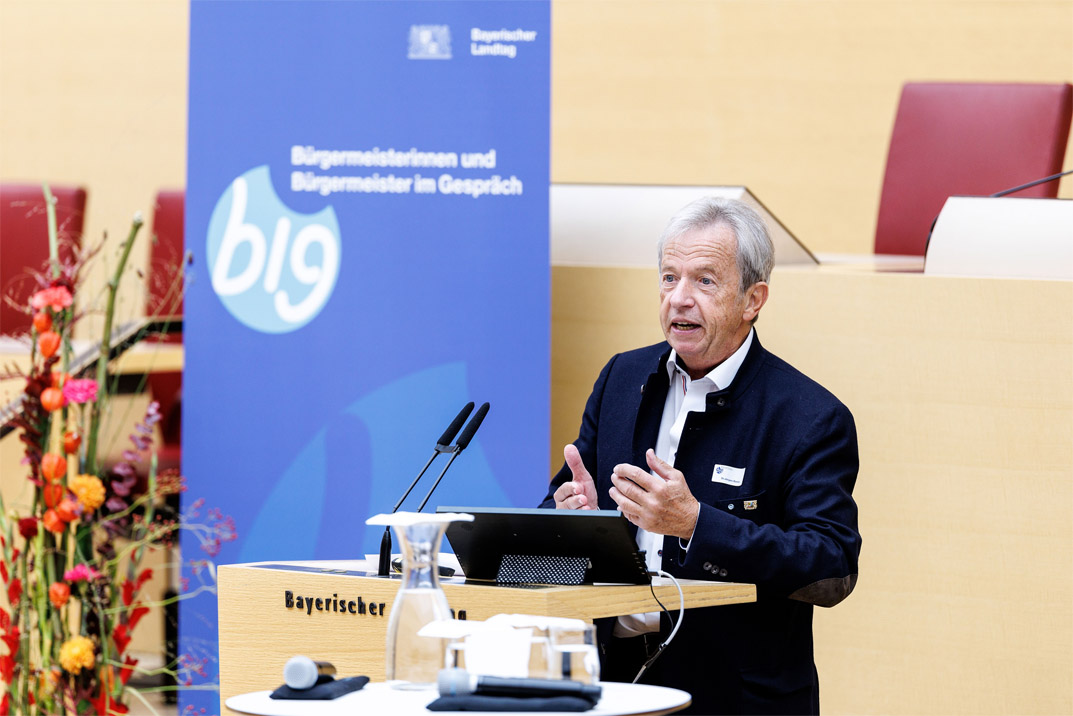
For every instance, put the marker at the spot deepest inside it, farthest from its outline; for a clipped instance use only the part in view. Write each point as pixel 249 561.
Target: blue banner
pixel 367 205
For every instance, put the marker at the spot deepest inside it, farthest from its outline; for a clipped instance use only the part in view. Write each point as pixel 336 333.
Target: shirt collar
pixel 721 375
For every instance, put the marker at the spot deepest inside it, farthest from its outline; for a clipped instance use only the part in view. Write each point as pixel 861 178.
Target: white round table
pixel 617 700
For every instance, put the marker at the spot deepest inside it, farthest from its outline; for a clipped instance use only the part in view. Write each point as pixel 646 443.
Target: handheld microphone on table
pixel 442 445
pixel 462 444
pixel 301 672
pixel 459 682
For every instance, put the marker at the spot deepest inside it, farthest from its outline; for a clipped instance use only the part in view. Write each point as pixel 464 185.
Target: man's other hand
pixel 660 503
pixel 580 494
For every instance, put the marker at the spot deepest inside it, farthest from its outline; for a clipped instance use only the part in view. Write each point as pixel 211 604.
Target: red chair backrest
pixel 164 296
pixel 24 243
pixel 967 139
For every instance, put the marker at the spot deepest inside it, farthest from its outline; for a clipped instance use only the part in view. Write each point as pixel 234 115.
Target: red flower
pixel 14 590
pixel 105 706
pixel 125 671
pixel 129 587
pixel 55 297
pixel 121 637
pixel 136 615
pixel 58 594
pixel 11 639
pixel 7 671
pixel 28 528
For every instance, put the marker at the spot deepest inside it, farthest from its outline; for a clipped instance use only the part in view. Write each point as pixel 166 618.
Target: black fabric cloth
pixel 325 689
pixel 480 702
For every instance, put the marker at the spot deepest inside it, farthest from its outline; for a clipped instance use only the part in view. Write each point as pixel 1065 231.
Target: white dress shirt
pixel 684 396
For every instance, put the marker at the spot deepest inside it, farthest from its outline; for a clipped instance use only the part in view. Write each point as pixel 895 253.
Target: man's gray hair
pixel 756 252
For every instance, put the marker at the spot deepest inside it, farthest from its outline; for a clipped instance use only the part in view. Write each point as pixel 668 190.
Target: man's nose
pixel 682 295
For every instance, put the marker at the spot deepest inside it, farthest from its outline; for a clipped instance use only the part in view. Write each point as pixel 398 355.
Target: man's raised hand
pixel 579 494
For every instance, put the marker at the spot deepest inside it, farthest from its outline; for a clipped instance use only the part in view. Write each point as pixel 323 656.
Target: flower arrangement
pixel 70 562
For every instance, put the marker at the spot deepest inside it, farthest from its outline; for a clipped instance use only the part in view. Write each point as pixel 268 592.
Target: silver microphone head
pixel 453 682
pixel 301 672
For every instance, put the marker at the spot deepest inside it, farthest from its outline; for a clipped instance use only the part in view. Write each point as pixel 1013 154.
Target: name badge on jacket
pixel 728 475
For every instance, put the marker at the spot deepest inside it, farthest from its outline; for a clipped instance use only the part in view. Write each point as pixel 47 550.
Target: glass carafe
pixel 413 661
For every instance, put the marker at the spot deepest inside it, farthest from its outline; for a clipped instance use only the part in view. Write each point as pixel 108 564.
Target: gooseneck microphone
pixel 462 444
pixel 459 682
pixel 442 445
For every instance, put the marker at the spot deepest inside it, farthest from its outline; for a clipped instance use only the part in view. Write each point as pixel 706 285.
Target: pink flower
pixel 56 297
pixel 80 391
pixel 80 572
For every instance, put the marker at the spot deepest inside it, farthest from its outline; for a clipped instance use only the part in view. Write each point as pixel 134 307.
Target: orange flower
pixel 42 322
pixel 52 399
pixel 71 441
pixel 58 594
pixel 49 343
pixel 53 493
pixel 77 654
pixel 67 510
pixel 89 490
pixel 53 466
pixel 53 523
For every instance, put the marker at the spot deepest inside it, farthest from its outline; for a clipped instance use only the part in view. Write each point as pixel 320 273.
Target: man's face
pixel 702 310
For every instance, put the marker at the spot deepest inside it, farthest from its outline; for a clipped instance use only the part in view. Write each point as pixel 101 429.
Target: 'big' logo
pixel 273 268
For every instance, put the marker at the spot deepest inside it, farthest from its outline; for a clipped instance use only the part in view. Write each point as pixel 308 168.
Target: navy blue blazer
pixel 790 528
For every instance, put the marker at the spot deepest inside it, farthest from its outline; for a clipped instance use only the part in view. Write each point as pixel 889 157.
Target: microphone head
pixel 300 672
pixel 456 424
pixel 471 427
pixel 453 682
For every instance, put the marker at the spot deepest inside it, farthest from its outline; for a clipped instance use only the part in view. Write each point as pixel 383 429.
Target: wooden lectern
pixel 338 612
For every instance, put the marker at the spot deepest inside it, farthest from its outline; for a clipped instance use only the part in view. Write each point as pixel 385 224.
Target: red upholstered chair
pixel 164 299
pixel 967 139
pixel 24 242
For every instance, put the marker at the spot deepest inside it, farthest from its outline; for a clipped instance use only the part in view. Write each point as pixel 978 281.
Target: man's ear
pixel 755 298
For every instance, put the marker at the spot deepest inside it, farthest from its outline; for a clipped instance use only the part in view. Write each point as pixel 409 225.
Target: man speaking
pixel 732 465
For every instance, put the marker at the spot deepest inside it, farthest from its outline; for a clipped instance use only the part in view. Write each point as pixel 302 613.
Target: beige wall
pixel 794 98
pixel 94 93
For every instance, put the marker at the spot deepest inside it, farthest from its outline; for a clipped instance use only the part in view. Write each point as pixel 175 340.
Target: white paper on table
pixel 499 652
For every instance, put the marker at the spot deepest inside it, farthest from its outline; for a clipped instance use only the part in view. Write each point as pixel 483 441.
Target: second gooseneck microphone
pixel 443 445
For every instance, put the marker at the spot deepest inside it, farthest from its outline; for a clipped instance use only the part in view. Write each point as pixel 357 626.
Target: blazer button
pixel 721 402
pixel 707 566
pixel 722 573
pixel 730 506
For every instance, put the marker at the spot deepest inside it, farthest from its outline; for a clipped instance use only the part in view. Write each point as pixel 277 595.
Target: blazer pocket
pixel 753 507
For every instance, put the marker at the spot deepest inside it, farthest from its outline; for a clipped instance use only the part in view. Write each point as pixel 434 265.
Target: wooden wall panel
pixel 794 99
pixel 962 390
